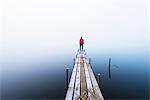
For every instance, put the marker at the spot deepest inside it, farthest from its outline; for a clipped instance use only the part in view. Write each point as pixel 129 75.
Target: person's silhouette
pixel 81 43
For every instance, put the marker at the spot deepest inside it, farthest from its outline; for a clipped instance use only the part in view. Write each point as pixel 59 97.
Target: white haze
pixel 52 27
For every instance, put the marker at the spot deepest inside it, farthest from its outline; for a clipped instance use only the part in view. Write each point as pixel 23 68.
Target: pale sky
pixel 41 27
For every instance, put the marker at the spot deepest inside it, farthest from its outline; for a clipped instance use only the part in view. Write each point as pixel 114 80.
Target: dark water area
pixel 45 79
pixel 129 76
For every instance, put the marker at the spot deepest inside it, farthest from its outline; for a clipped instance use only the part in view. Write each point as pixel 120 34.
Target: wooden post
pixel 67 78
pixel 74 61
pixel 109 67
pixel 98 79
pixel 89 60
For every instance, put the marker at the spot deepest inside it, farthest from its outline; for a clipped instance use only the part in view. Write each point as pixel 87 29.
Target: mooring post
pixel 90 61
pixel 98 79
pixel 109 68
pixel 74 61
pixel 67 78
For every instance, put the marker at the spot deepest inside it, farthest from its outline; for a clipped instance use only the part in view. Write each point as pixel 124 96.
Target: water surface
pixel 45 78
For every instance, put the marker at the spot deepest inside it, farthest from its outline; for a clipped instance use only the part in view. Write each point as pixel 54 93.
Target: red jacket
pixel 81 41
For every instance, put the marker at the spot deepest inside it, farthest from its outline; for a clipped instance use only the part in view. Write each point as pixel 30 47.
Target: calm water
pixel 44 78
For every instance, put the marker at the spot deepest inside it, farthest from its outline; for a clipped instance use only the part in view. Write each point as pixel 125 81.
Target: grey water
pixel 45 78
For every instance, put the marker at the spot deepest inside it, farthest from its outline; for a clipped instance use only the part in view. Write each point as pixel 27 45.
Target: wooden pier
pixel 83 85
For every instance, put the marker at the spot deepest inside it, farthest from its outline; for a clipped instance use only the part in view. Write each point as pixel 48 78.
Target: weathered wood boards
pixel 83 85
pixel 70 90
pixel 77 82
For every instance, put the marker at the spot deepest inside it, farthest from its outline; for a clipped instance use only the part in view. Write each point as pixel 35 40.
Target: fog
pixel 33 28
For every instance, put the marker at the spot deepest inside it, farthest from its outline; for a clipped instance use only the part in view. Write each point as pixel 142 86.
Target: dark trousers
pixel 81 47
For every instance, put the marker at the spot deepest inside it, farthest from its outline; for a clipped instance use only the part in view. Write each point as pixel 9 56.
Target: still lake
pixel 45 78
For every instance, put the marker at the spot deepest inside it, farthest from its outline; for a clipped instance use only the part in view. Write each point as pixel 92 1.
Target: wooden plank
pixel 77 83
pixel 83 82
pixel 88 80
pixel 69 94
pixel 97 92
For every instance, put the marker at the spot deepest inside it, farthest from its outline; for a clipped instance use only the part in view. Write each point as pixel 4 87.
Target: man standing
pixel 81 43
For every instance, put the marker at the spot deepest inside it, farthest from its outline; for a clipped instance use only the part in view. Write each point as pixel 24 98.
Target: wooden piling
pixel 67 78
pixel 74 61
pixel 98 79
pixel 89 60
